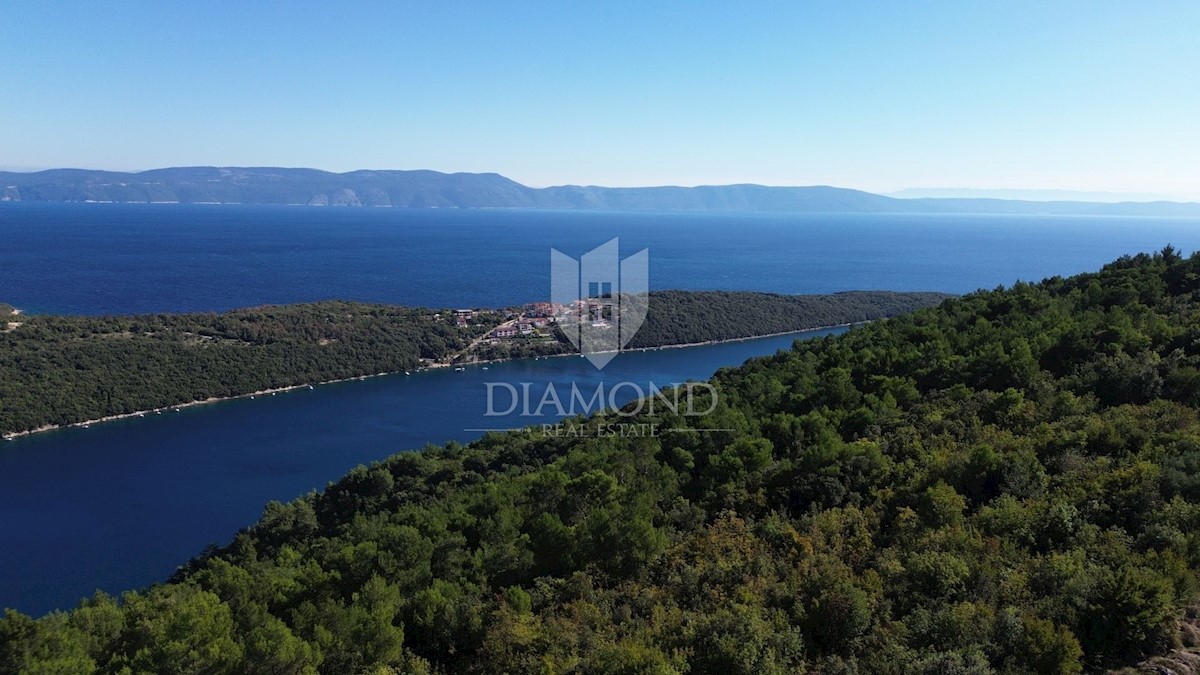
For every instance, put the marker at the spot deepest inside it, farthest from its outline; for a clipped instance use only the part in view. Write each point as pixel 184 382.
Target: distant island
pixel 432 189
pixel 65 370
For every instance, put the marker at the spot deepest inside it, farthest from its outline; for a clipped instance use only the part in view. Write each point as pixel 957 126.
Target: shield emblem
pixel 601 300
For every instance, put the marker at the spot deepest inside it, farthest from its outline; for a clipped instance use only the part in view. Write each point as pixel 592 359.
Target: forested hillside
pixel 57 370
pixel 1005 483
pixel 66 369
pixel 685 317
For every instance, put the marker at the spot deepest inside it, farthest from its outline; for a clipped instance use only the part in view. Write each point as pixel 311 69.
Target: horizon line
pixel 943 192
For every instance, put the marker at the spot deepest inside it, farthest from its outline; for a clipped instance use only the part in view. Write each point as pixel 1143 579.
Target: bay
pixel 119 505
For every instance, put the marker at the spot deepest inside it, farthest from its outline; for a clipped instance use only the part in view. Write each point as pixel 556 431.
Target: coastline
pixel 177 407
pixel 435 366
pixel 752 337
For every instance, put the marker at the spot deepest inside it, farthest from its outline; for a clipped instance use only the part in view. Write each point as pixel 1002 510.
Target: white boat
pixel 310 386
pixel 459 369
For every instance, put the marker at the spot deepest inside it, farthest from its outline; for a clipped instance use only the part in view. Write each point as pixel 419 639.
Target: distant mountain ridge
pixel 433 189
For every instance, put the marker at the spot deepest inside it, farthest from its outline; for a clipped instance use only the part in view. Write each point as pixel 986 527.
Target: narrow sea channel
pixel 119 505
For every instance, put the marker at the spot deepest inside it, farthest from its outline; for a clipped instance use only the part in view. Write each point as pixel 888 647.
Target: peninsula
pixel 65 370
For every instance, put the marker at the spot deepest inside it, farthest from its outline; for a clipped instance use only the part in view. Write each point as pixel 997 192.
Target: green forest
pixel 1008 483
pixel 690 317
pixel 687 317
pixel 59 370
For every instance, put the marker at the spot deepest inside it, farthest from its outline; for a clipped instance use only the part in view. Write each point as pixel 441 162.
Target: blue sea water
pixel 116 258
pixel 119 505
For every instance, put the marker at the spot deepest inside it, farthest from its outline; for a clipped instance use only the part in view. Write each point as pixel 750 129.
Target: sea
pixel 118 506
pixel 137 258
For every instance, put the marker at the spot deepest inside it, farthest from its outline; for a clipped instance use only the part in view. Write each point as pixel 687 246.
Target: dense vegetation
pixel 686 317
pixel 1005 483
pixel 691 317
pixel 61 370
pixel 57 370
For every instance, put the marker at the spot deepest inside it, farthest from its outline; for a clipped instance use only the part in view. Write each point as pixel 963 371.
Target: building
pixel 540 309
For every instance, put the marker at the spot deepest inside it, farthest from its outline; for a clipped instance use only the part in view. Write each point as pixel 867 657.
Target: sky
pixel 882 96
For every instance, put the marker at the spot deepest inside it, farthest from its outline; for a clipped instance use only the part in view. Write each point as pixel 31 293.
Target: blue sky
pixel 873 95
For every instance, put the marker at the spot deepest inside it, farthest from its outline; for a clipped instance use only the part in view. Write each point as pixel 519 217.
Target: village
pixel 528 330
pixel 537 319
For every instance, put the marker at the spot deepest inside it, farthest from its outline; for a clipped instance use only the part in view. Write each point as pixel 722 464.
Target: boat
pixel 459 369
pixel 485 367
pixel 407 373
pixel 310 386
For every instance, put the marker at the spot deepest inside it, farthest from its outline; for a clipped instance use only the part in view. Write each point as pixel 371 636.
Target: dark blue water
pixel 111 258
pixel 121 504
